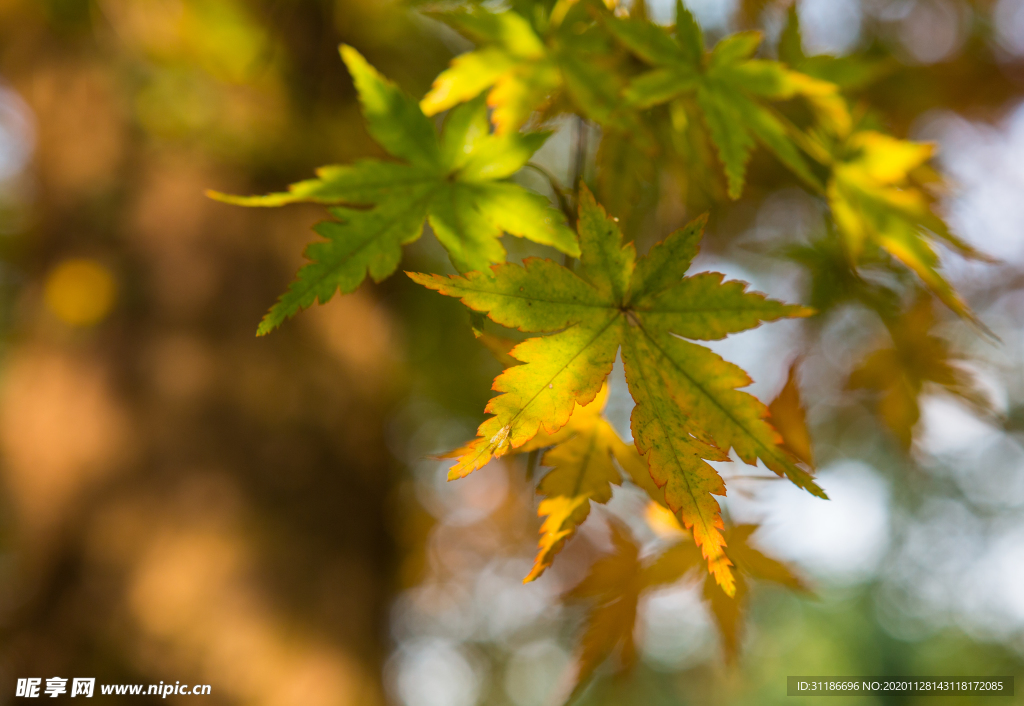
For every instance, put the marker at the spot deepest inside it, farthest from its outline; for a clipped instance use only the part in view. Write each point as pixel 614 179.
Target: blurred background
pixel 184 501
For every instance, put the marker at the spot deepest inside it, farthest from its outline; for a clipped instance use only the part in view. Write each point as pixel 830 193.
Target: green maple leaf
pixel 457 181
pixel 688 408
pixel 729 88
pixel 524 69
pixel 849 73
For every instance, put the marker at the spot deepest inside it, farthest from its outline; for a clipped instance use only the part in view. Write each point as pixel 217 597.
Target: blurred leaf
pixel 623 172
pixel 750 563
pixel 679 560
pixel 525 70
pixel 613 589
pixel 616 582
pixel 730 88
pixel 498 346
pixel 875 200
pixel 788 416
pixel 875 189
pixel 688 409
pixel 834 281
pixel 849 73
pixel 457 182
pixel 898 373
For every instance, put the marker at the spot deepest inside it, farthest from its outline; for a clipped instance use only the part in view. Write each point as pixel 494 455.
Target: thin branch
pixel 563 202
pixel 579 157
pixel 532 459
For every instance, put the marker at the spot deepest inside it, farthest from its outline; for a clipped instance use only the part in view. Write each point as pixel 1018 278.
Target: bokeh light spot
pixel 80 292
pixel 830 26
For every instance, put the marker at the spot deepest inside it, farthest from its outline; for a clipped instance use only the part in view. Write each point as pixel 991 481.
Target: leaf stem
pixel 563 202
pixel 579 157
pixel 532 460
pixel 579 162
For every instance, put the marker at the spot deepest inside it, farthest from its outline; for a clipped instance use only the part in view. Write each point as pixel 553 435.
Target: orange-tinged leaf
pixel 727 612
pixel 675 457
pixel 752 562
pixel 688 410
pixel 789 418
pixel 727 609
pixel 616 582
pixel 613 587
pixel 562 514
pixel 582 472
pixel 898 373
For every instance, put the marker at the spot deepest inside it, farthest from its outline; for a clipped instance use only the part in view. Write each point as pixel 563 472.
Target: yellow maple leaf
pixel 583 471
pixel 689 408
pixel 876 199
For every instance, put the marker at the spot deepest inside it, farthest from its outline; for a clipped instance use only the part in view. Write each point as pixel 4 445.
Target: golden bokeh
pixel 80 292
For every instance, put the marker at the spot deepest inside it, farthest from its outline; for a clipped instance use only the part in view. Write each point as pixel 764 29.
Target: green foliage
pixel 561 60
pixel 661 102
pixel 457 181
pixel 729 88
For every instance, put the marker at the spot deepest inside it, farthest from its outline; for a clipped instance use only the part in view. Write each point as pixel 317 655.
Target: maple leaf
pixel 682 558
pixel 849 73
pixel 899 372
pixel 617 581
pixel 688 409
pixel 730 89
pixel 613 588
pixel 457 181
pixel 789 418
pixel 874 190
pixel 726 610
pixel 524 69
pixel 583 472
pixel 874 199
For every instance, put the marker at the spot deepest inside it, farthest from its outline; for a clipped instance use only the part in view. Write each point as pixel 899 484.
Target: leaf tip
pixel 721 569
pixel 231 198
pixel 266 326
pixel 349 53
